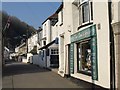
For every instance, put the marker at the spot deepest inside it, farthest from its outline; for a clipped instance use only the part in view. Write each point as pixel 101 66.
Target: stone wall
pixel 116 29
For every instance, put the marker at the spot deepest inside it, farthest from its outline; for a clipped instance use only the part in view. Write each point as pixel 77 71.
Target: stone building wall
pixel 116 29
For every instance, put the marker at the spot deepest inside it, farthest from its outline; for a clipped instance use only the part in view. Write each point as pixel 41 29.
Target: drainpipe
pixel 45 57
pixel 112 52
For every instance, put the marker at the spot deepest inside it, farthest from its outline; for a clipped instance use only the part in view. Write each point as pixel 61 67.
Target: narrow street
pixel 22 75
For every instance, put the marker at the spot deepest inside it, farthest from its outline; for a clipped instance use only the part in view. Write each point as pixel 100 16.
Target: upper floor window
pixel 85 12
pixel 45 29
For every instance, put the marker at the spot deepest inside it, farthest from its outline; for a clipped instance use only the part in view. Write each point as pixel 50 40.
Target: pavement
pixel 22 75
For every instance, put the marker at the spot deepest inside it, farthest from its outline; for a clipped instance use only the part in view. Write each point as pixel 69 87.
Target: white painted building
pixel 83 40
pixel 32 44
pixel 39 36
pixel 32 41
pixel 17 49
pixel 6 53
pixel 48 55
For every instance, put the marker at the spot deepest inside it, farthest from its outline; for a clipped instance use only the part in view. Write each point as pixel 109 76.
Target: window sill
pixel 85 72
pixel 84 25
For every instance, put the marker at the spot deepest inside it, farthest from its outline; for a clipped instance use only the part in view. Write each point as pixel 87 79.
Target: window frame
pixel 54 51
pixel 90 12
pixel 77 45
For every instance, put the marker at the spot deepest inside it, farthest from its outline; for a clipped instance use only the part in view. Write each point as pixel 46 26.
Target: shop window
pixel 54 51
pixel 84 57
pixel 85 12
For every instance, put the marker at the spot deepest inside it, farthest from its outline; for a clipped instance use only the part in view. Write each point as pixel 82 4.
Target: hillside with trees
pixel 17 32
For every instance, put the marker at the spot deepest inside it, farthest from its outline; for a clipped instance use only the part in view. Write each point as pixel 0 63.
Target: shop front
pixel 83 53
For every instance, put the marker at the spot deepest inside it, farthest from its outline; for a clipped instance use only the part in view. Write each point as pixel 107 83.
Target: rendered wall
pixel 100 16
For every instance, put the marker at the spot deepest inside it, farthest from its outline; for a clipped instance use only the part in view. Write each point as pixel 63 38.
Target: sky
pixel 33 13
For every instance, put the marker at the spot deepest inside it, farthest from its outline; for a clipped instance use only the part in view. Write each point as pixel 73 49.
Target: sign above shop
pixel 88 32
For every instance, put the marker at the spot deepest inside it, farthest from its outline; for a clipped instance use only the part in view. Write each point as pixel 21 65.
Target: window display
pixel 84 56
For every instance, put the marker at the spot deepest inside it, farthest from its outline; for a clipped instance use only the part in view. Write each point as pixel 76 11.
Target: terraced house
pixel 88 42
pixel 81 39
pixel 48 53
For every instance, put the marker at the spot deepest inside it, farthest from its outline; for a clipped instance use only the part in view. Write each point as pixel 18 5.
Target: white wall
pixel 68 27
pixel 67 21
pixel 32 41
pixel 103 43
pixel 54 31
pixel 75 20
pixel 61 33
pixel 6 53
pixel 28 56
pixel 35 59
pixel 41 60
pixel 64 37
pixel 24 60
pixel 16 49
pixel 61 56
pixel 40 40
pixel 46 31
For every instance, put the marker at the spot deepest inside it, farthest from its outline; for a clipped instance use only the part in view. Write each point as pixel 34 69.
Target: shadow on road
pixel 16 68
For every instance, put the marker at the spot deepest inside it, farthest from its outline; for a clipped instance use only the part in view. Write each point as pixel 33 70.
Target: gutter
pixel 112 51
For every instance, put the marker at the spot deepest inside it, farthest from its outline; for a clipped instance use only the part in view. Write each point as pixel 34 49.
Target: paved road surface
pixel 21 75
